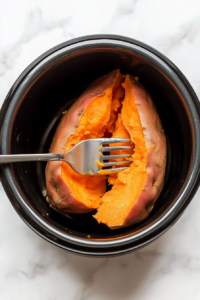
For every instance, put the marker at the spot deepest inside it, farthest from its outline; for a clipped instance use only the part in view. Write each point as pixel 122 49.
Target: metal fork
pixel 82 157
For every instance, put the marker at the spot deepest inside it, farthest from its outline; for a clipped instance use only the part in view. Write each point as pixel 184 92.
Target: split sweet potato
pixel 88 118
pixel 111 106
pixel 136 189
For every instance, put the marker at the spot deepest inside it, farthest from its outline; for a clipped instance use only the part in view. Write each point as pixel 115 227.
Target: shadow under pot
pixel 31 113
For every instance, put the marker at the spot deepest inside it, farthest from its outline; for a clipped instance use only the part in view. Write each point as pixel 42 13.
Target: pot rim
pixel 165 221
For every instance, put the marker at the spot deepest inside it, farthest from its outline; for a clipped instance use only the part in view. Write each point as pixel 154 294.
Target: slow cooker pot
pixel 32 111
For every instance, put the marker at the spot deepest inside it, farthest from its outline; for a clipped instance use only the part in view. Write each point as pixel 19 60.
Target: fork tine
pixel 108 149
pixel 113 163
pixel 106 157
pixel 114 140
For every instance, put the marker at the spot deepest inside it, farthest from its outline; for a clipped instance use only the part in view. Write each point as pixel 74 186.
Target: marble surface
pixel 31 268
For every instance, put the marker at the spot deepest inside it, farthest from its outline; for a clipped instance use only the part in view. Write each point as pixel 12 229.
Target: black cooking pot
pixel 32 111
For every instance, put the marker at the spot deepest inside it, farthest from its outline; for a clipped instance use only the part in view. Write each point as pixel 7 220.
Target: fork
pixel 83 156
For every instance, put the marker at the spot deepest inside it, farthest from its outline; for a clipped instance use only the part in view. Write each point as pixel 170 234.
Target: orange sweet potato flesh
pixel 104 112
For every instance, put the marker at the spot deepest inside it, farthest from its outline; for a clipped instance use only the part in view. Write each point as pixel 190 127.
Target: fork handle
pixel 29 157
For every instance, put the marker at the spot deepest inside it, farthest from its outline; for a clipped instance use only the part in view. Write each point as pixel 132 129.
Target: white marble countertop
pixel 31 268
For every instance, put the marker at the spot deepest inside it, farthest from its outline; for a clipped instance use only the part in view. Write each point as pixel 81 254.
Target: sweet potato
pixel 102 111
pixel 87 118
pixel 136 189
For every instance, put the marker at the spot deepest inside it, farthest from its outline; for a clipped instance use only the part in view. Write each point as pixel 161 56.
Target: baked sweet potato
pixel 101 111
pixel 136 189
pixel 88 118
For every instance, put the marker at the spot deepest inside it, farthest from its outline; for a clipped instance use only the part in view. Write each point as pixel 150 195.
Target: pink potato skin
pixel 58 192
pixel 156 157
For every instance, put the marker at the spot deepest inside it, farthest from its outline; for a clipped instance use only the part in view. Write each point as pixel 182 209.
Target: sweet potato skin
pixel 156 157
pixel 58 192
